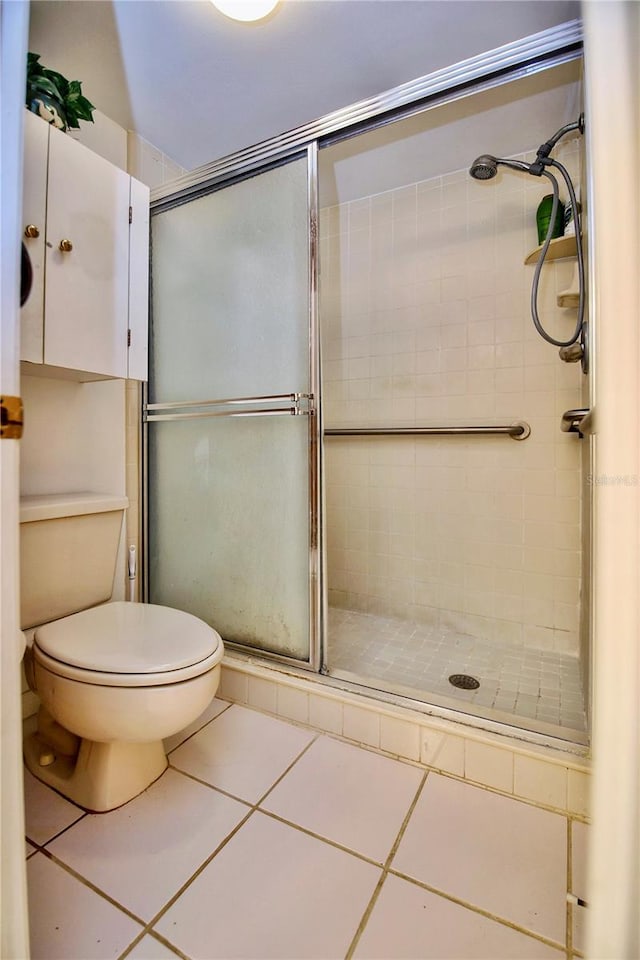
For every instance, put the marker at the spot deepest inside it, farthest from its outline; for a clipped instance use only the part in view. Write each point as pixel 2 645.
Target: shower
pixel 485 167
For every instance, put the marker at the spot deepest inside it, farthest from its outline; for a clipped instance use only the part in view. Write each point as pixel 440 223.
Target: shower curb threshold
pixel 546 774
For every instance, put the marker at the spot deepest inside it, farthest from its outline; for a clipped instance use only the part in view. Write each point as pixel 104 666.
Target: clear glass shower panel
pixel 230 291
pixel 228 527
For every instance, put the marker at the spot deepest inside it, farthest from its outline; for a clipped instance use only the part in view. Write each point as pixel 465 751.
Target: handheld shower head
pixel 484 167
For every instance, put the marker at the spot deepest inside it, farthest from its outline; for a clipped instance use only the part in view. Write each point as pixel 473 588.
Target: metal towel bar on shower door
pixel 519 430
pixel 291 406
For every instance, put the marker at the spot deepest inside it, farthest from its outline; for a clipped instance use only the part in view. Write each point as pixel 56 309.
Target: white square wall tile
pixel 176 822
pixel 46 812
pixel 408 921
pixel 67 919
pixel 444 752
pixel 325 714
pixel 263 694
pixel 578 792
pixel 243 752
pixel 400 737
pixel 277 893
pixel 333 786
pixel 234 685
pixel 494 852
pixel 540 781
pixel 489 765
pixel 292 704
pixel 361 725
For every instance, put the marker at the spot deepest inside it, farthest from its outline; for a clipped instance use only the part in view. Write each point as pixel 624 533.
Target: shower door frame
pixel 314 414
pixel 519 59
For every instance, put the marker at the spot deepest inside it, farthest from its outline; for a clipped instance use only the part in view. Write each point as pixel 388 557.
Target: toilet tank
pixel 68 553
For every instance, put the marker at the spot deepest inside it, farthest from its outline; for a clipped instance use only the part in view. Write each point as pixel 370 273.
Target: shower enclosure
pixel 364 475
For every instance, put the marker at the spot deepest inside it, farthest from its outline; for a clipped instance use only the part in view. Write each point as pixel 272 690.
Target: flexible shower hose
pixel 543 253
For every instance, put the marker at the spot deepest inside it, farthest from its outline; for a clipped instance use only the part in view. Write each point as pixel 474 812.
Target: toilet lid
pixel 128 638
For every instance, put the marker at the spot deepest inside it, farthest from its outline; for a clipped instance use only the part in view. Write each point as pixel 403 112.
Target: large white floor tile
pixel 347 794
pixel 46 812
pixel 408 922
pixel 272 892
pixel 69 921
pixel 142 853
pixel 215 708
pixel 497 853
pixel 243 752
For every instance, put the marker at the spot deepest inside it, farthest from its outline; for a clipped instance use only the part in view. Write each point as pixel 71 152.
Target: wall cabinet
pixel 86 227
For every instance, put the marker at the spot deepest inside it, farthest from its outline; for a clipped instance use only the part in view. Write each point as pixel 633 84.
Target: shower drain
pixel 463 681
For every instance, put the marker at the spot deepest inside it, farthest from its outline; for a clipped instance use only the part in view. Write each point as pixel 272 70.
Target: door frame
pixel 14 923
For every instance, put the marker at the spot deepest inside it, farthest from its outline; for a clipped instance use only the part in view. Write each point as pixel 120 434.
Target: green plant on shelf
pixel 57 100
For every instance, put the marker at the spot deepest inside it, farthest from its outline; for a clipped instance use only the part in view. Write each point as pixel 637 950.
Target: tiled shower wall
pixel 425 320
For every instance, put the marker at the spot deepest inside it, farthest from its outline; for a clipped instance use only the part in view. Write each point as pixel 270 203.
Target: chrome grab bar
pixel 519 430
pixel 577 421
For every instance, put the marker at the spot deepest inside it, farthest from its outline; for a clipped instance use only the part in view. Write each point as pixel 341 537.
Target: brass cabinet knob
pixel 65 246
pixel 31 232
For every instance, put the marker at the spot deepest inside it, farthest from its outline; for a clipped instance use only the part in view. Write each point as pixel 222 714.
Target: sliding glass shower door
pixel 230 421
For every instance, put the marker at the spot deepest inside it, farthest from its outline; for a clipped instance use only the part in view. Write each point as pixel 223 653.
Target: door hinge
pixel 11 418
pixel 128 338
pixel 130 214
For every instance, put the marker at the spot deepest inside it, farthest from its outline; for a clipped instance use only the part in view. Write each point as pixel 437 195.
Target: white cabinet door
pixel 86 304
pixel 34 213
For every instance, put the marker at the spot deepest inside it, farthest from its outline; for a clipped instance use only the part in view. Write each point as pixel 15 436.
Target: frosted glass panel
pixel 229 522
pixel 230 291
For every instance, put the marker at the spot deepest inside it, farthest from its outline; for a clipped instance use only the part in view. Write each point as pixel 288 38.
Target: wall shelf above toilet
pixel 52 506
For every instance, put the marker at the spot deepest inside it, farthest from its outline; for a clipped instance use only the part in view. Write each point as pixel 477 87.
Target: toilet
pixel 114 678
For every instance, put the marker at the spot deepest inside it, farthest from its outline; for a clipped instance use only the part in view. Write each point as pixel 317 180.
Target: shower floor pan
pixel 417 660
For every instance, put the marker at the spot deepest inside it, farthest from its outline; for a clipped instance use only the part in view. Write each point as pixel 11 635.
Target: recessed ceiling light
pixel 245 10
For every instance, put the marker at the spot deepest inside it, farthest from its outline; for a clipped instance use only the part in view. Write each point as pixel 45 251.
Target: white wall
pixel 425 319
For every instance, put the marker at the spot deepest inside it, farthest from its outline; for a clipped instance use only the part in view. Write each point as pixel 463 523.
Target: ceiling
pixel 200 86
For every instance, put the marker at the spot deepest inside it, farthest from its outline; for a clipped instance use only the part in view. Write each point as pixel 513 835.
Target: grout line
pixel 283 775
pixel 385 870
pixel 204 725
pixel 476 909
pixel 252 808
pixel 318 836
pixel 197 872
pixel 155 936
pixel 40 846
pixel 88 883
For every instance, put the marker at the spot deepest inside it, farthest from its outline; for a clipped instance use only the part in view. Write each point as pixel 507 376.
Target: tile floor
pixel 266 839
pixel 417 660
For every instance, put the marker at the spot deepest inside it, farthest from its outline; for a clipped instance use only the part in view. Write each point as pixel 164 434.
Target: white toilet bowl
pixel 114 681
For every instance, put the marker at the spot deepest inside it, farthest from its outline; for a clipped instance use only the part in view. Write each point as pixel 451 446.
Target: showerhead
pixel 484 167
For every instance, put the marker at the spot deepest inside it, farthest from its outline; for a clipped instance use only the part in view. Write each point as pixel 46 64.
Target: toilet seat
pixel 127 645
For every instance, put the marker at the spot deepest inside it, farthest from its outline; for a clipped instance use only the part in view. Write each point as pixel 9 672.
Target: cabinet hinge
pixel 128 338
pixel 130 214
pixel 11 418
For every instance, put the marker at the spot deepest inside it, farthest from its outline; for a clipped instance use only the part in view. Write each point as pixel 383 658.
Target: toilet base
pixel 102 776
